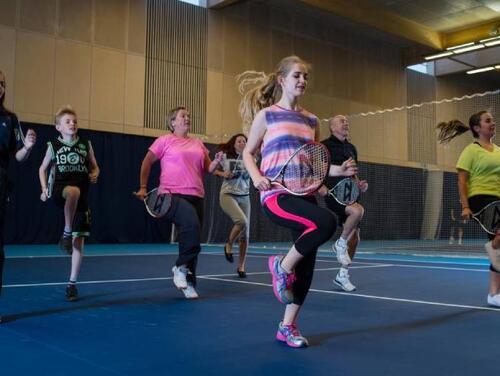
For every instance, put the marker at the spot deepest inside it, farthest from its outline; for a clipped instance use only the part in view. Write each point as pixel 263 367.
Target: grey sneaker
pixel 340 249
pixel 180 273
pixel 342 280
pixel 291 336
pixel 190 292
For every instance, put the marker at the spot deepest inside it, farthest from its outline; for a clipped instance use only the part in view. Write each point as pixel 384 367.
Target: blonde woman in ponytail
pixel 478 179
pixel 279 125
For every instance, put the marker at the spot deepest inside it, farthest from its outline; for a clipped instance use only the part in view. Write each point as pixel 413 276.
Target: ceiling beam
pixel 382 20
pixel 471 34
pixel 217 4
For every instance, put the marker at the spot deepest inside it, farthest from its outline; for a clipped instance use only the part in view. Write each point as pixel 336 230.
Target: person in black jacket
pixel 349 216
pixel 12 142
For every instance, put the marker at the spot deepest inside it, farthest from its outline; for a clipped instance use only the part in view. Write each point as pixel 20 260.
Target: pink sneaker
pixel 282 282
pixel 291 335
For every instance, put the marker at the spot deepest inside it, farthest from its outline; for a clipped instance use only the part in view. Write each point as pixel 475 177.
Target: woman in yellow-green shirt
pixel 478 178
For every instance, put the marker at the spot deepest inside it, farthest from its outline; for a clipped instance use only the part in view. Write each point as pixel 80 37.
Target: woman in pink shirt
pixel 183 161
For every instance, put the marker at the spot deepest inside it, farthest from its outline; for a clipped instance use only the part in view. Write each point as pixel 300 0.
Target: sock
pixel 67 234
pixel 72 282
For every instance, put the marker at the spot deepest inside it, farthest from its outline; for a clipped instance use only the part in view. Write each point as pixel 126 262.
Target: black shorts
pixel 82 219
pixel 59 200
pixel 476 203
pixel 338 209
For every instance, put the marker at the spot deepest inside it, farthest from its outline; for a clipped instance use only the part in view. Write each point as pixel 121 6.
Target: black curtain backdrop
pixel 118 217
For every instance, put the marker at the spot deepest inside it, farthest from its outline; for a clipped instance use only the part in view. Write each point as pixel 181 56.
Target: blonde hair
pixel 172 114
pixel 66 110
pixel 265 91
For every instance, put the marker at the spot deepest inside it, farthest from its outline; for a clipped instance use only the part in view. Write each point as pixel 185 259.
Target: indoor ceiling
pixel 432 24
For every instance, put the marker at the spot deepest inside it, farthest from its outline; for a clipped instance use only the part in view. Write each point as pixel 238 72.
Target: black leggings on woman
pixel 310 225
pixel 186 212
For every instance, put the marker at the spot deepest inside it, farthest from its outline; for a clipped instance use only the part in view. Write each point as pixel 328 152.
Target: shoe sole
pixel 342 287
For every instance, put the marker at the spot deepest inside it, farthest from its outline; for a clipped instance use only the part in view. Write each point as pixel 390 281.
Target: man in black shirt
pixel 349 216
pixel 11 143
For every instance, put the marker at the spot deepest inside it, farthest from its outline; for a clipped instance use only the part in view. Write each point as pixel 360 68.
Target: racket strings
pixel 307 169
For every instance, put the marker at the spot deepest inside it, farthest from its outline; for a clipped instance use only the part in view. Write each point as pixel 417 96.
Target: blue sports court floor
pixel 411 315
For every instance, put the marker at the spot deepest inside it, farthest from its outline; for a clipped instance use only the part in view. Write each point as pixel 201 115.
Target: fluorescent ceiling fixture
pixel 485 69
pixel 497 66
pixel 489 39
pixel 493 43
pixel 437 56
pixel 460 45
pixel 470 48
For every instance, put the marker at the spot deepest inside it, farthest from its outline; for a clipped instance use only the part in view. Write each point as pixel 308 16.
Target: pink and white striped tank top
pixel 287 130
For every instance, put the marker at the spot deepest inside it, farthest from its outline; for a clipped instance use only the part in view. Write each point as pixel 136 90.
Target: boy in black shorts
pixel 74 167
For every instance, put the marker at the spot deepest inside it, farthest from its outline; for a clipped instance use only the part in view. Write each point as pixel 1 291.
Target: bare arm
pixel 147 162
pixel 29 141
pixel 463 189
pixel 210 165
pixel 257 132
pixel 94 168
pixel 42 174
pixel 348 168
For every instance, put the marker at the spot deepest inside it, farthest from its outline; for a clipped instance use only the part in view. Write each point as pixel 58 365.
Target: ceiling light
pixel 470 48
pixel 437 56
pixel 460 45
pixel 489 39
pixel 485 69
pixel 492 43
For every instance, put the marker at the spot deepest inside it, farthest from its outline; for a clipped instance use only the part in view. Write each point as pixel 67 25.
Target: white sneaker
pixel 190 292
pixel 342 280
pixel 180 273
pixel 494 300
pixel 340 249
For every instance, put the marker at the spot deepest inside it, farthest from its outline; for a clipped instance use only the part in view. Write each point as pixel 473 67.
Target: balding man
pixel 349 216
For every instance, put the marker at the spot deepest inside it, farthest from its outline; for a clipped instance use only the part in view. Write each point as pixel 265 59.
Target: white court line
pixel 367 296
pixel 443 267
pixel 167 278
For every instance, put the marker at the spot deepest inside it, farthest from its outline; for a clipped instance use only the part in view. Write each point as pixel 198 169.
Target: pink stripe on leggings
pixel 272 203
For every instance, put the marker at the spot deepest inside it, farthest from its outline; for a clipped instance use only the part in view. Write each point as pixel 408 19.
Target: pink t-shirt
pixel 182 161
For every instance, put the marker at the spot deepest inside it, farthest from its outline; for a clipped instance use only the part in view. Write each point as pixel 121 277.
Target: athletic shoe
pixel 340 249
pixel 71 292
pixel 282 282
pixel 342 280
pixel 180 273
pixel 494 300
pixel 66 244
pixel 291 336
pixel 190 292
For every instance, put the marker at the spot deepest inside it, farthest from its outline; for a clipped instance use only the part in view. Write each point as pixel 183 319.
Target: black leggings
pixel 310 225
pixel 477 203
pixel 186 213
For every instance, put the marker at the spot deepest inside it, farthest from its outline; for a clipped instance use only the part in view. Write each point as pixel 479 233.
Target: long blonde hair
pixel 266 89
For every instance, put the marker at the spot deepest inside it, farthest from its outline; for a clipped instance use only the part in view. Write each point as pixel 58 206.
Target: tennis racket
pixel 305 170
pixel 19 132
pixel 489 217
pixel 345 192
pixel 157 204
pixel 50 180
